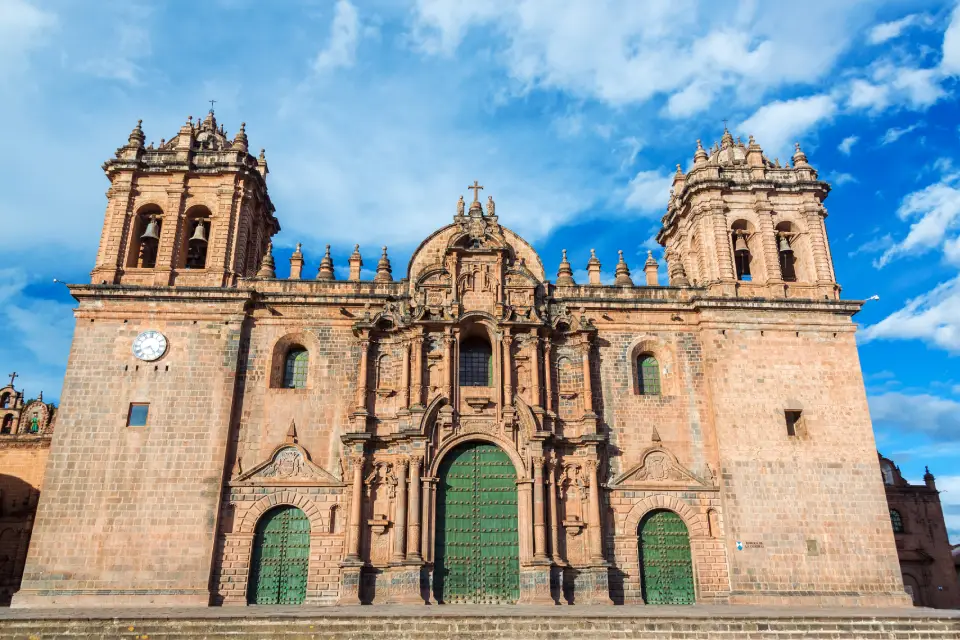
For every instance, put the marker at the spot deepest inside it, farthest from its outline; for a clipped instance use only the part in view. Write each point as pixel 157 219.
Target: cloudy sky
pixel 376 115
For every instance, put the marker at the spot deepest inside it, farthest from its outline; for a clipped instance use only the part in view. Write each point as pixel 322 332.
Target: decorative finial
pixel 292 432
pixel 136 136
pixel 325 272
pixel 299 244
pixel 799 157
pixel 655 437
pixel 565 272
pixel 679 170
pixel 267 265
pixel 384 272
pixel 476 186
pixel 622 276
pixel 211 105
pixel 356 262
pixel 700 156
pixel 593 268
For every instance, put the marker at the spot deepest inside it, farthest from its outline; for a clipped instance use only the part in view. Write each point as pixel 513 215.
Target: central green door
pixel 281 555
pixel 665 565
pixel 477 556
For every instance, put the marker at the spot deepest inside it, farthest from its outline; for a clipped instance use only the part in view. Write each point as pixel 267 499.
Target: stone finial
pixel 292 432
pixel 262 163
pixel 136 136
pixel 240 140
pixel 267 265
pixel 928 479
pixel 296 264
pixel 655 437
pixel 384 272
pixel 678 179
pixel 325 272
pixel 701 155
pixel 565 272
pixel 676 272
pixel 650 269
pixel 593 269
pixel 727 139
pixel 622 277
pixel 799 157
pixel 356 262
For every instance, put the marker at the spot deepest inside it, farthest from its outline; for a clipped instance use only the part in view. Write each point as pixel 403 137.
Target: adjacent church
pixel 463 429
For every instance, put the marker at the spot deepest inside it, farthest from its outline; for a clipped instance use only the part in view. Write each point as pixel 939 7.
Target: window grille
pixel 648 372
pixel 896 520
pixel 295 368
pixel 475 357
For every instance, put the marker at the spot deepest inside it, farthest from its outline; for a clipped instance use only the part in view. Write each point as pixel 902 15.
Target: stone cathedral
pixel 466 431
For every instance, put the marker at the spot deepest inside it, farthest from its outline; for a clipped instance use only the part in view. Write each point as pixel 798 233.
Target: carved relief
pixel 660 467
pixel 288 464
pixel 381 489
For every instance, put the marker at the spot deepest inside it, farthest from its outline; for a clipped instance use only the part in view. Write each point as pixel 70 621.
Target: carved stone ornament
pixel 660 468
pixel 289 464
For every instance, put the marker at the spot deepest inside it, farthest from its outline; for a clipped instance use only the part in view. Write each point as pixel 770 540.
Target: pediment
pixel 289 464
pixel 660 468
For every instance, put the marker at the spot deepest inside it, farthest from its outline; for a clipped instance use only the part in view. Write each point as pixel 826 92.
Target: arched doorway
pixel 477 555
pixel 666 568
pixel 280 558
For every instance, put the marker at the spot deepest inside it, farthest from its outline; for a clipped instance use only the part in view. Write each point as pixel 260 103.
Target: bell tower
pixel 193 211
pixel 742 225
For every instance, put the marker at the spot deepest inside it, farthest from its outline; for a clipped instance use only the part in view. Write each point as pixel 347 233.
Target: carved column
pixel 449 341
pixel 413 538
pixel 426 531
pixel 539 531
pixel 362 379
pixel 548 373
pixel 418 370
pixel 721 239
pixel 768 242
pixel 507 343
pixel 400 524
pixel 593 527
pixel 405 377
pixel 534 355
pixel 587 378
pixel 816 230
pixel 356 512
pixel 554 516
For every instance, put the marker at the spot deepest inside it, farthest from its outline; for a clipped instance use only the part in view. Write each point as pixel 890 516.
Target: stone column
pixel 507 343
pixel 554 516
pixel 448 383
pixel 362 379
pixel 405 377
pixel 353 555
pixel 721 239
pixel 534 354
pixel 593 526
pixel 413 538
pixel 426 551
pixel 818 242
pixel 539 522
pixel 548 374
pixel 768 243
pixel 400 517
pixel 417 365
pixel 587 378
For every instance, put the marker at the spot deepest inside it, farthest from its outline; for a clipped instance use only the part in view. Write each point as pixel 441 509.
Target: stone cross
pixel 476 190
pixel 211 104
pixel 13 376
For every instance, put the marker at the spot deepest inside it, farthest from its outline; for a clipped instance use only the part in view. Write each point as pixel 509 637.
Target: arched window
pixel 742 258
pixel 648 375
pixel 475 357
pixel 295 368
pixel 199 229
pixel 7 427
pixel 788 259
pixel 896 520
pixel 5 401
pixel 146 238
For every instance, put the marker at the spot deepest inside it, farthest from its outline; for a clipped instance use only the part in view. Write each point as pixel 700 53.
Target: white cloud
pixel 846 145
pixel 118 54
pixel 933 416
pixel 649 191
pixel 950 62
pixel 890 30
pixel 896 84
pixel 777 124
pixel 949 487
pixel 686 51
pixel 933 317
pixel 936 211
pixel 23 27
pixel 341 49
pixel 840 179
pixel 893 133
pixel 874 245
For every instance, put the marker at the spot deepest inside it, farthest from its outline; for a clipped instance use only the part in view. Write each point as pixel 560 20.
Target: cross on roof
pixel 211 104
pixel 476 190
pixel 13 376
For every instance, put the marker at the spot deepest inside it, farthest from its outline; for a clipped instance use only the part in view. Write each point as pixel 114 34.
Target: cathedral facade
pixel 469 431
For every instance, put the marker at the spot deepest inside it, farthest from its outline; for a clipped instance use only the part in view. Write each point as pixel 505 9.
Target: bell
pixel 151 232
pixel 785 245
pixel 199 233
pixel 740 245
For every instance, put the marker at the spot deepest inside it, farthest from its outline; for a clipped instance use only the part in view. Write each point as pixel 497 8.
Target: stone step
pixel 585 627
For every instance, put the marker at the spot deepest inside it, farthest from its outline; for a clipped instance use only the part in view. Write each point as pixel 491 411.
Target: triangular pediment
pixel 289 464
pixel 660 468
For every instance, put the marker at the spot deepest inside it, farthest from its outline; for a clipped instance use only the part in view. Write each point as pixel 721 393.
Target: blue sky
pixel 376 115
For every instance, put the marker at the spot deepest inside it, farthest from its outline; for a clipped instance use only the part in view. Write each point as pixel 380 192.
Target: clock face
pixel 149 345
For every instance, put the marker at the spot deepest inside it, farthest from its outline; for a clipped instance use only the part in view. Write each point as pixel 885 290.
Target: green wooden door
pixel 665 565
pixel 281 555
pixel 477 556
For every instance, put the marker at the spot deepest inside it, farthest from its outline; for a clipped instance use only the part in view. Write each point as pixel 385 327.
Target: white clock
pixel 149 345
